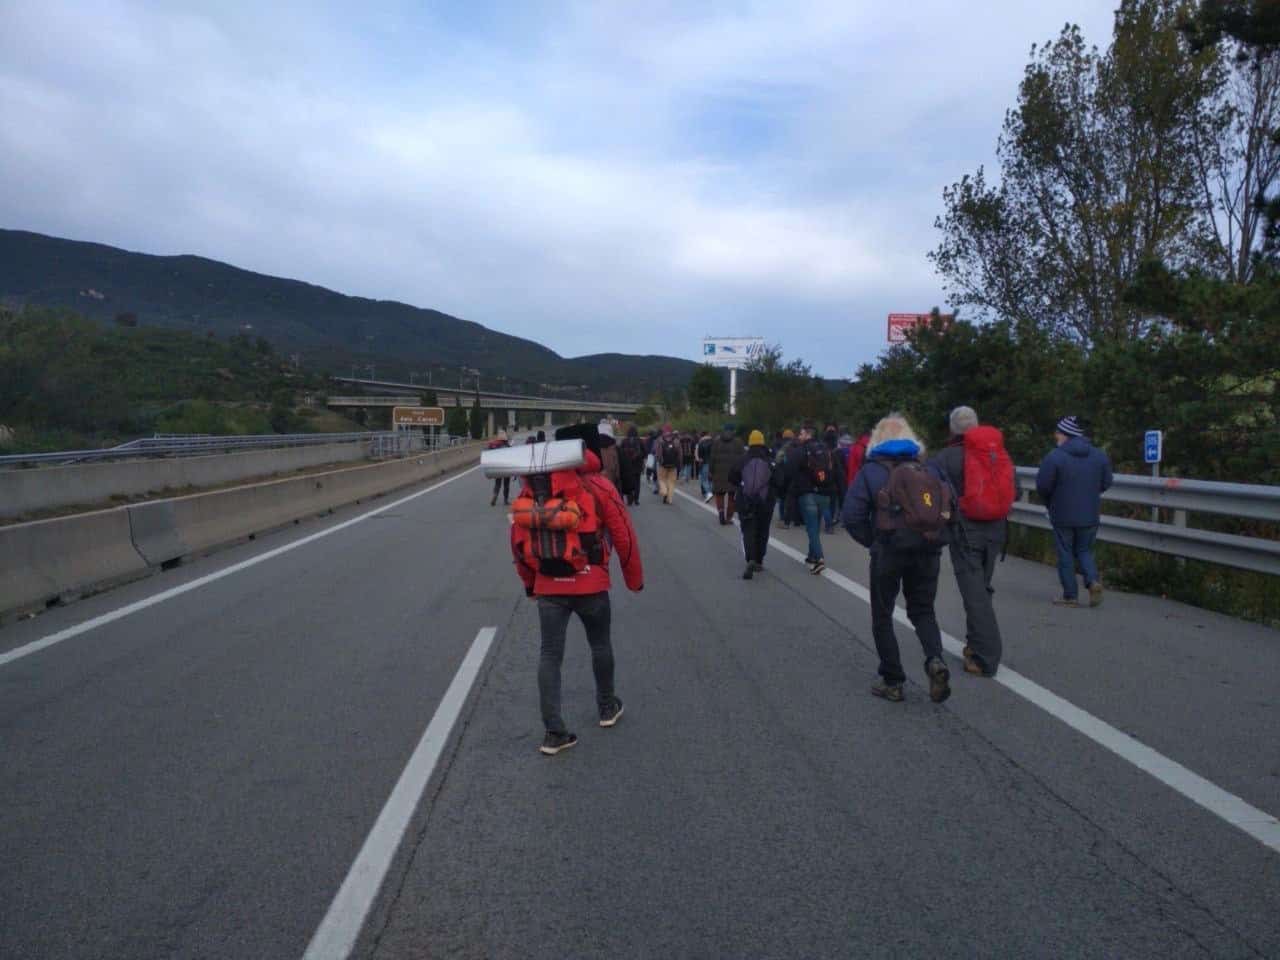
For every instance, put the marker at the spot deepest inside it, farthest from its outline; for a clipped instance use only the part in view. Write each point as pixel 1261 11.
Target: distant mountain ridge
pixel 329 330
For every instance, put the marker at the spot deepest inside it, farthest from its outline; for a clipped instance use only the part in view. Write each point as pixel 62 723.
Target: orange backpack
pixel 562 523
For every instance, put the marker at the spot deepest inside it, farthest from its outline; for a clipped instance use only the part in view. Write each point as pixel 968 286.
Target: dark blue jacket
pixel 859 513
pixel 1071 480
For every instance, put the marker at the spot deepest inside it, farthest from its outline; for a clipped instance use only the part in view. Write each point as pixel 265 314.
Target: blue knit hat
pixel 1071 427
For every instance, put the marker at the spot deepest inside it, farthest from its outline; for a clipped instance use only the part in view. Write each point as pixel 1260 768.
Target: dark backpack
pixel 756 475
pixel 913 507
pixel 632 450
pixel 669 451
pixel 817 463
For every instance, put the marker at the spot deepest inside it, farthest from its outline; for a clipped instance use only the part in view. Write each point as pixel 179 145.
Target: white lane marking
pixel 35 646
pixel 1259 824
pixel 337 933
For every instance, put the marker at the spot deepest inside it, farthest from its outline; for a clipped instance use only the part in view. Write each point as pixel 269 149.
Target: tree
pixel 1094 181
pixel 455 422
pixel 1020 381
pixel 777 395
pixel 477 419
pixel 708 391
pixel 645 415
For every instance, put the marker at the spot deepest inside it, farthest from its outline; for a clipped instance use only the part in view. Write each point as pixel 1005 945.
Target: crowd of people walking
pixel 882 486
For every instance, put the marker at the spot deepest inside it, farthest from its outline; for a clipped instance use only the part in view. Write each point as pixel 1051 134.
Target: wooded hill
pixel 329 331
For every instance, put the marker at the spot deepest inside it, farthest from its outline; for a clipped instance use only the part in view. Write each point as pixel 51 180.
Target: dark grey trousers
pixel 973 556
pixel 554 613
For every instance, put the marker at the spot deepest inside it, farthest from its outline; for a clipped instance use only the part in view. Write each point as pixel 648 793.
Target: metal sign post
pixel 1152 453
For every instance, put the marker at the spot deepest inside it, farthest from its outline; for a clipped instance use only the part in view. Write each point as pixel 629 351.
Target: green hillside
pixel 68 383
pixel 328 330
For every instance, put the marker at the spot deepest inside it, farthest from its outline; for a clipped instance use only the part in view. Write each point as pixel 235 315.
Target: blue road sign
pixel 1152 446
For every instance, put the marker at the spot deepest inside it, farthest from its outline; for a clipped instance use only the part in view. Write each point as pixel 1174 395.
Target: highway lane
pixel 756 801
pixel 196 780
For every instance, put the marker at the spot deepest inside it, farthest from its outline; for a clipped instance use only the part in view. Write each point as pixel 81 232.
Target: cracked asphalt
pixel 196 779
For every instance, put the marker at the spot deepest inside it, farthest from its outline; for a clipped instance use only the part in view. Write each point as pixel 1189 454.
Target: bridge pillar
pixel 490 431
pixel 511 419
pixel 546 420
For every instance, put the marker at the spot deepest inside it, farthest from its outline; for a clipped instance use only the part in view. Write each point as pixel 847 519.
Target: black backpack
pixel 669 451
pixel 817 463
pixel 633 449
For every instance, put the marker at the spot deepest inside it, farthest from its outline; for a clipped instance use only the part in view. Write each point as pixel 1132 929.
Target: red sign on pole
pixel 901 323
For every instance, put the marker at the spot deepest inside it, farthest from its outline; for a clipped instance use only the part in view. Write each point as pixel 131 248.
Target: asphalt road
pixel 196 779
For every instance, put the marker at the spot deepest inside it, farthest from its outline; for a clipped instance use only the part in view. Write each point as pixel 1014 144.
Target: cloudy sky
pixel 595 175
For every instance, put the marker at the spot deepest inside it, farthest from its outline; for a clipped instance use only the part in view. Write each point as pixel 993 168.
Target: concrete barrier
pixel 24 492
pixel 48 559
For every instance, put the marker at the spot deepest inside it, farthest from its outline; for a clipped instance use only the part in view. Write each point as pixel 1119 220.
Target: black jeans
pixel 755 530
pixel 916 572
pixel 973 557
pixel 502 484
pixel 554 613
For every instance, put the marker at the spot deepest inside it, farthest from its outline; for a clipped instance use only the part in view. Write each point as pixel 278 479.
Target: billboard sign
pixel 417 416
pixel 732 352
pixel 901 323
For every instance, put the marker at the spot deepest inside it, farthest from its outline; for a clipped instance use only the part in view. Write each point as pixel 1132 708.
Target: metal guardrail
pixel 178 445
pixel 1254 502
pixel 414 401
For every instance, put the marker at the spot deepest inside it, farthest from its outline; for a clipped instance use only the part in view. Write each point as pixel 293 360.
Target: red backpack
pixel 989 490
pixel 562 523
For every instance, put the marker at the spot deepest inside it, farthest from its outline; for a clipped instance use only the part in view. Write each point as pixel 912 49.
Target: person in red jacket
pixel 857 457
pixel 585 593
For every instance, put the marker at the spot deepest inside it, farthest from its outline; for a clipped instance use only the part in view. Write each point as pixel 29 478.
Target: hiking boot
pixel 553 743
pixel 887 691
pixel 748 573
pixel 939 680
pixel 708 498
pixel 759 565
pixel 972 666
pixel 611 714
pixel 1066 602
pixel 818 566
pixel 494 501
pixel 1095 594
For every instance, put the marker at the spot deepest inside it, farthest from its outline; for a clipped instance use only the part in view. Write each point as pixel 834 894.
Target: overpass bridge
pixel 546 410
pixel 321 743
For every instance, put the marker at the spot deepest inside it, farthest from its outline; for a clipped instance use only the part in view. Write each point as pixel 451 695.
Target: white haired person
pixel 898 507
pixel 980 471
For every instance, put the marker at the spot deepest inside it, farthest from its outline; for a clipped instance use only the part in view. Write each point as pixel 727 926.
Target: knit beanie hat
pixel 1070 427
pixel 755 439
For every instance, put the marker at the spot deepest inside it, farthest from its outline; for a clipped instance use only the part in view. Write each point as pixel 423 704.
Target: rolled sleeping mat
pixel 525 459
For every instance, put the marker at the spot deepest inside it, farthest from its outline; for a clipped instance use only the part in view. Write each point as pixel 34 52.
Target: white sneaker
pixel 709 498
